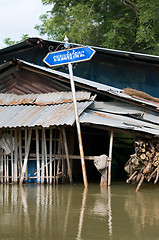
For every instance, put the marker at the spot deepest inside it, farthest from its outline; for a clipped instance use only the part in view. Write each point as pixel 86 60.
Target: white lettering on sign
pixel 75 54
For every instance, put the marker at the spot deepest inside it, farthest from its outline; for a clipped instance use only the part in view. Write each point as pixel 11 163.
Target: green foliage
pixel 130 25
pixel 9 41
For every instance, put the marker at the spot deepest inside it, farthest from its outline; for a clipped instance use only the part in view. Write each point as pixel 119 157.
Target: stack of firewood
pixel 144 164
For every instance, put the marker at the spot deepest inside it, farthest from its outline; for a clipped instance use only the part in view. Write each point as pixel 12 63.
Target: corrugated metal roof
pixel 42 99
pixel 116 92
pixel 116 121
pixel 35 42
pixel 124 116
pixel 45 116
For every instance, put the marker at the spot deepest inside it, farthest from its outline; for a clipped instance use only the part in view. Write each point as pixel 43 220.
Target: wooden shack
pixel 37 116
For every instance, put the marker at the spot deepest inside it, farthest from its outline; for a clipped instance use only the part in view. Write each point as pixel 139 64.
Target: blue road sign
pixel 69 56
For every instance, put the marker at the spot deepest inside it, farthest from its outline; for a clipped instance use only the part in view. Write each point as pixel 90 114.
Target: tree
pixel 8 41
pixel 130 25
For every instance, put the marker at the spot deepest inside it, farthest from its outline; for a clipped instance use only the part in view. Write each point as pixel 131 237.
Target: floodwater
pixel 69 212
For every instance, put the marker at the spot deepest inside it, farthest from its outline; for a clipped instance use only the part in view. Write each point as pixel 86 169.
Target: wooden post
pixel 20 150
pixel 26 157
pixel 78 126
pixel 15 155
pixel 5 168
pixel 104 177
pixel 45 154
pixel 54 155
pixel 26 139
pixel 67 155
pixel 1 168
pixel 42 157
pixel 110 157
pixel 63 159
pixel 59 160
pixel 12 156
pixel 50 149
pixel 109 212
pixel 37 155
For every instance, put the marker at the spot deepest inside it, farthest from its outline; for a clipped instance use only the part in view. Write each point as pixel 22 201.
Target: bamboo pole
pixel 37 155
pixel 5 168
pixel 110 157
pixel 20 149
pixel 15 155
pixel 12 156
pixel 42 157
pixel 63 159
pixel 109 212
pixel 62 156
pixel 1 168
pixel 54 155
pixel 67 155
pixel 26 157
pixel 59 160
pixel 26 139
pixel 78 126
pixel 50 149
pixel 45 154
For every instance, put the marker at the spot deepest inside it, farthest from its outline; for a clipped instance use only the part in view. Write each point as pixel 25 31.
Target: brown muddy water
pixel 70 212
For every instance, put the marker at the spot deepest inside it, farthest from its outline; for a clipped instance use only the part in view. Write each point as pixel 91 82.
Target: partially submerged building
pixel 37 121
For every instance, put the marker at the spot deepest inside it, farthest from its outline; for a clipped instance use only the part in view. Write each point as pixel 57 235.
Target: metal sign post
pixel 68 56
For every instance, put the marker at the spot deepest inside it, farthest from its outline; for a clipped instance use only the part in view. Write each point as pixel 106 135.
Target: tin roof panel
pixel 42 99
pixel 45 116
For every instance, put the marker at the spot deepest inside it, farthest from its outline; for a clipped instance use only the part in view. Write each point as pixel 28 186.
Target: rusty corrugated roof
pixel 122 116
pixel 52 109
pixel 45 116
pixel 42 99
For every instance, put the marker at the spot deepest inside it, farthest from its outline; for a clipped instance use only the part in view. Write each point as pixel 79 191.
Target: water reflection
pixel 82 213
pixel 67 212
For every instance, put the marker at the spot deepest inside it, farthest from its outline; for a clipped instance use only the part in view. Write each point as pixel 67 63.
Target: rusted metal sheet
pixel 42 99
pixel 45 116
pixel 120 118
pixel 94 86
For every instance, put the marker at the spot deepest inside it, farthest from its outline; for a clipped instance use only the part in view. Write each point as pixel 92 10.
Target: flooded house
pixel 117 99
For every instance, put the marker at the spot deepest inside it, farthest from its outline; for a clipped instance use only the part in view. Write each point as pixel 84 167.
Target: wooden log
pixel 110 157
pixel 140 183
pixel 152 174
pixel 138 177
pixel 148 168
pixel 37 155
pixel 67 155
pixel 104 177
pixel 26 157
pixel 50 149
pixel 157 175
pixel 130 178
pixel 143 156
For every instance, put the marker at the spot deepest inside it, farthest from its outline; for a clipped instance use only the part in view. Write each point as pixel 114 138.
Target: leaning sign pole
pixel 69 56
